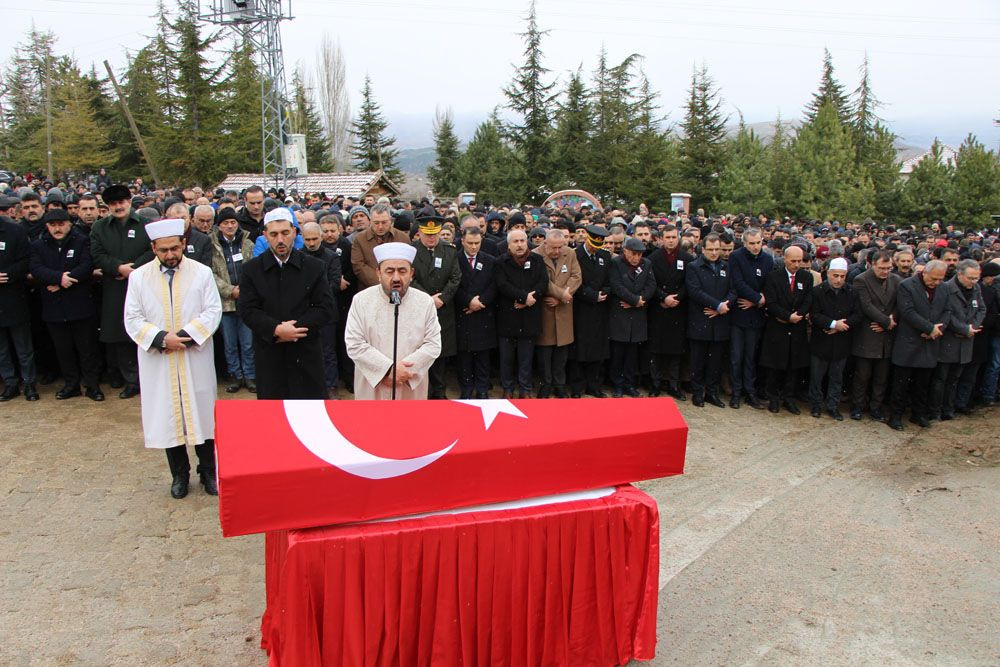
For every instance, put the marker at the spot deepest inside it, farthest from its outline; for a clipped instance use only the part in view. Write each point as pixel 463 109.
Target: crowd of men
pixel 543 302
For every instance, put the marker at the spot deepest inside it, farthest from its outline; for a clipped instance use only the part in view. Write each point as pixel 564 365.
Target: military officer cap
pixel 430 224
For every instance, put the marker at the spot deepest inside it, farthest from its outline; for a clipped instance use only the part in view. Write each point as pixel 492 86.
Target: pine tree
pixel 142 89
pixel 778 157
pixel 372 148
pixel 975 192
pixel 703 144
pixel 304 119
pixel 192 157
pixel 24 103
pixel 652 153
pixel 241 91
pixel 488 166
pixel 874 145
pixel 444 173
pixel 823 173
pixel 79 144
pixel 928 190
pixel 745 181
pixel 830 91
pixel 572 133
pixel 531 99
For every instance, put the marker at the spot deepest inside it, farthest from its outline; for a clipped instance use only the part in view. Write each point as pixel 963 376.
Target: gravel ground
pixel 789 540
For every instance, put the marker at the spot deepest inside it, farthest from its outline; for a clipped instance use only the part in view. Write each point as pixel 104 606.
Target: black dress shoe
pixel 94 394
pixel 895 424
pixel 130 391
pixel 713 399
pixel 576 394
pixel 179 488
pixel 920 421
pixel 677 393
pixel 697 401
pixel 816 411
pixel 773 406
pixel 234 386
pixel 68 392
pixel 30 392
pixel 835 414
pixel 11 391
pixel 755 403
pixel 791 407
pixel 252 387
pixel 947 416
pixel 735 402
pixel 654 392
pixel 116 382
pixel 632 392
pixel 964 410
pixel 597 393
pixel 856 414
pixel 877 415
pixel 544 391
pixel 559 392
pixel 208 481
pixel 616 394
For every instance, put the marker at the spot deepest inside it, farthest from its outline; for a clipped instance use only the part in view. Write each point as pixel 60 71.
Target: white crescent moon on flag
pixel 312 425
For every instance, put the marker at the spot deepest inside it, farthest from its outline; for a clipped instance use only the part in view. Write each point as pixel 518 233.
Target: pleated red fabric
pixel 572 583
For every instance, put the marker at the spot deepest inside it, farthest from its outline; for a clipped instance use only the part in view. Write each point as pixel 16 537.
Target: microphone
pixel 394 297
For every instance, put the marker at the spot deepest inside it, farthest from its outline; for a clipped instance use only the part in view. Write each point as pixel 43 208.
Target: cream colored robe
pixel 368 336
pixel 179 388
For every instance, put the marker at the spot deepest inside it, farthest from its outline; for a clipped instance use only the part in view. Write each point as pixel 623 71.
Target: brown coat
pixel 876 305
pixel 557 322
pixel 363 254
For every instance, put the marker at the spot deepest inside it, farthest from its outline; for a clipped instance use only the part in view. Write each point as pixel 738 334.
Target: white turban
pixel 394 250
pixel 280 213
pixel 838 264
pixel 164 228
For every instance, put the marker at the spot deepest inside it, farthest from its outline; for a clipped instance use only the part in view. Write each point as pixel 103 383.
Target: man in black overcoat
pixel 285 301
pixel 632 287
pixel 710 298
pixel 476 332
pixel 591 312
pixel 834 315
pixel 785 348
pixel 668 315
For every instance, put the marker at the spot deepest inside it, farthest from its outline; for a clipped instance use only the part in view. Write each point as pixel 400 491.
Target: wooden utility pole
pixel 132 125
pixel 48 116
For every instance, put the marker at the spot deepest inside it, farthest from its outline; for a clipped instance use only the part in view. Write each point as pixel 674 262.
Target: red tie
pixel 472 262
pixel 791 284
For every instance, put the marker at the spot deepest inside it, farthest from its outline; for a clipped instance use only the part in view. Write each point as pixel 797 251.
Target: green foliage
pixel 824 177
pixel 928 190
pixel 572 133
pixel 372 148
pixel 703 144
pixel 532 101
pixel 830 92
pixel 78 142
pixel 488 166
pixel 444 173
pixel 975 192
pixel 745 181
pixel 241 90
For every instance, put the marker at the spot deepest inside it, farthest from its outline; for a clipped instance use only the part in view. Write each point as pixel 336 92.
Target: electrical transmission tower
pixel 258 21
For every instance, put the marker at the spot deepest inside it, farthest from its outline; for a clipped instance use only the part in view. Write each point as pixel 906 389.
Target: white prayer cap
pixel 280 213
pixel 395 250
pixel 838 264
pixel 164 228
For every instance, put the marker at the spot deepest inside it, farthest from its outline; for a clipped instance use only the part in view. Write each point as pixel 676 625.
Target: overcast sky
pixel 934 64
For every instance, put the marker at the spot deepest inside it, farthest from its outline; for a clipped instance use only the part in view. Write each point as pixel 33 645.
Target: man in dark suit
pixel 748 267
pixel 914 352
pixel 872 343
pixel 785 350
pixel 710 298
pixel 312 245
pixel 521 285
pixel 15 256
pixel 668 315
pixel 632 286
pixel 286 301
pixel 834 316
pixel 475 327
pixel 591 313
pixel 963 317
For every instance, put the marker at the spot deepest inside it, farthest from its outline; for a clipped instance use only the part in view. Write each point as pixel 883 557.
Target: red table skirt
pixel 572 583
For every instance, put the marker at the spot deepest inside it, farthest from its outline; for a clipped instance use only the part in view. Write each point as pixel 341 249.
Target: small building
pixel 347 183
pixel 910 157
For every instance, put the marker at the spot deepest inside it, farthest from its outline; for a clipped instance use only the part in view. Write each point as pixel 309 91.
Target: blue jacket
pixel 260 245
pixel 49 260
pixel 705 289
pixel 747 275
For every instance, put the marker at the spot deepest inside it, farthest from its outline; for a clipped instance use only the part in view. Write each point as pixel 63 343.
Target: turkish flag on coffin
pixel 300 464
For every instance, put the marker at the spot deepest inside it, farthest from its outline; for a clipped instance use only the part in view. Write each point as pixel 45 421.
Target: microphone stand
pixel 394 299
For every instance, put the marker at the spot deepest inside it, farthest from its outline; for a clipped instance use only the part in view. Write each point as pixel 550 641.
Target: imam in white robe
pixel 179 388
pixel 368 336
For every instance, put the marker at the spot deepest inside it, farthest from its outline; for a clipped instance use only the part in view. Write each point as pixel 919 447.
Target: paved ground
pixel 789 540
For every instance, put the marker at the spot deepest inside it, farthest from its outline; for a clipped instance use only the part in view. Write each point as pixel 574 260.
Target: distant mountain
pixel 416 160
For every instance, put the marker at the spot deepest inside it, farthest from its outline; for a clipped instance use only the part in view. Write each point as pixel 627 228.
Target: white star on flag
pixel 493 407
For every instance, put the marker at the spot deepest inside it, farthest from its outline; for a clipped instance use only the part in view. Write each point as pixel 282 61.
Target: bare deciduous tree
pixel 334 104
